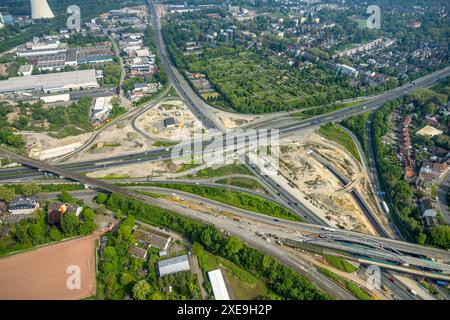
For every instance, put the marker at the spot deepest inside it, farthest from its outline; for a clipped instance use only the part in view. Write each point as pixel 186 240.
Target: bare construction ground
pixel 116 140
pixel 158 169
pixel 152 121
pixel 37 142
pixel 41 273
pixel 317 187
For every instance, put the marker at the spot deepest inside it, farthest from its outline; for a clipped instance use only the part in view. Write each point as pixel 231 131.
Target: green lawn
pixel 223 171
pixel 245 286
pixel 350 286
pixel 242 182
pixel 164 144
pixel 235 198
pixel 340 263
pixel 335 133
pixel 309 113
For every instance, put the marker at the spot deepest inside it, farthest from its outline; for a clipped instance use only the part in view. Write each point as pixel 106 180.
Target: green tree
pixel 88 214
pixel 66 197
pixel 30 189
pixel 125 278
pixel 54 234
pixel 440 236
pixel 101 198
pixel 37 233
pixel 87 227
pixel 232 246
pixel 69 224
pixel 141 290
pixel 6 194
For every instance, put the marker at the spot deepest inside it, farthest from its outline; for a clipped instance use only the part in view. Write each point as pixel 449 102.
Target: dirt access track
pixel 41 273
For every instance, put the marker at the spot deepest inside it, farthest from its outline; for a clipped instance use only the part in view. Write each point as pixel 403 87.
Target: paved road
pixel 200 108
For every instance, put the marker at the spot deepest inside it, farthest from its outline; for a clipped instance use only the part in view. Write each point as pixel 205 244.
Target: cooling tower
pixel 40 10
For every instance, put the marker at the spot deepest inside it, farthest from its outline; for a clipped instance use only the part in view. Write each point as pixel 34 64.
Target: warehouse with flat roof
pixel 52 82
pixel 173 265
pixel 218 285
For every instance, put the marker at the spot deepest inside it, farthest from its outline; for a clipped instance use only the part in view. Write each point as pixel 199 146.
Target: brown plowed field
pixel 41 273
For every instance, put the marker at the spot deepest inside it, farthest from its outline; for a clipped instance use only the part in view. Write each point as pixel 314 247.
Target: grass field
pixel 340 263
pixel 223 171
pixel 350 286
pixel 164 144
pixel 242 182
pixel 309 113
pixel 335 133
pixel 245 286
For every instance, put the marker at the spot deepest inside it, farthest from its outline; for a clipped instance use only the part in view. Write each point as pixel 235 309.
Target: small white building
pixel 56 98
pixel 173 265
pixel 25 70
pixel 102 107
pixel 218 285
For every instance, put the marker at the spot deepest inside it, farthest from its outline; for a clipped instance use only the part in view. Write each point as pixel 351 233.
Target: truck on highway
pixel 442 283
pixel 328 229
pixel 385 207
pixel 412 291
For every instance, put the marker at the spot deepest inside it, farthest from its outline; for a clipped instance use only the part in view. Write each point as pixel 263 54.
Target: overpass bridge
pixel 379 228
pixel 377 252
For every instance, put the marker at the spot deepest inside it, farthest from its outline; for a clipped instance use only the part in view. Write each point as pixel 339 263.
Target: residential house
pixel 427 209
pixel 23 206
pixel 55 210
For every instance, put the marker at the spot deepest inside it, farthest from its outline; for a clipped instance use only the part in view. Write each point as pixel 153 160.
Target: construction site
pixel 168 121
pixel 319 189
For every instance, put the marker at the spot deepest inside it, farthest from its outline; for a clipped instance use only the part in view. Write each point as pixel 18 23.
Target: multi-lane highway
pixel 199 107
pixel 404 247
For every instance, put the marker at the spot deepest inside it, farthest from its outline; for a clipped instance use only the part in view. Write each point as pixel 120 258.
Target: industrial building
pixel 41 10
pixel 102 107
pixel 65 97
pixel 51 83
pixel 218 285
pixel 173 265
pixel 39 47
pixel 169 122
